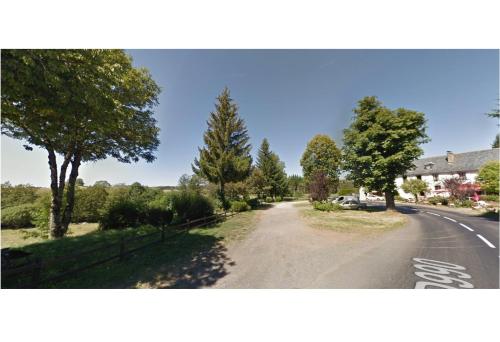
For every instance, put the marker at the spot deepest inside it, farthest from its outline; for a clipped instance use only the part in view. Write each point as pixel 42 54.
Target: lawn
pixel 352 221
pixel 189 260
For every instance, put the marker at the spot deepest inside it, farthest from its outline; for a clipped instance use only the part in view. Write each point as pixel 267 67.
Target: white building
pixel 434 170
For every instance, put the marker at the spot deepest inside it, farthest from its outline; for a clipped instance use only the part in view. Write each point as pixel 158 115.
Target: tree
pixel 273 171
pixel 322 154
pixel 89 202
pixel 414 187
pixel 488 177
pixel 495 113
pixel 381 144
pixel 84 105
pixel 496 142
pixel 226 155
pixel 17 195
pixel 319 186
pixel 79 182
pixel 453 186
pixel 193 183
pixel 257 182
pixel 296 185
pixel 103 183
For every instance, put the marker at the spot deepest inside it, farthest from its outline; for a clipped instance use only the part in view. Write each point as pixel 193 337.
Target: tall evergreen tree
pixel 226 155
pixel 273 170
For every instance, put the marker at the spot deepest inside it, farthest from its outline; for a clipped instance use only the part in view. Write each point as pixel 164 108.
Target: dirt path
pixel 284 252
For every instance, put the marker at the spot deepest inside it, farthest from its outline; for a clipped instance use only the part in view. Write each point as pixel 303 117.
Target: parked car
pixel 372 197
pixel 341 199
pixel 353 204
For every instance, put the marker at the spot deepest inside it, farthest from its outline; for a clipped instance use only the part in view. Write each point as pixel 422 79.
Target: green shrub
pixel 19 216
pixel 239 206
pixel 434 200
pixel 444 201
pixel 89 203
pixel 269 199
pixel 464 203
pixel 188 205
pixel 289 198
pixel 120 215
pixel 489 198
pixel 326 206
pixel 158 216
pixel 278 199
pixel 253 203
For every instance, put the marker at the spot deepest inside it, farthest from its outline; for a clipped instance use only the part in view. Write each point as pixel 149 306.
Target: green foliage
pixel 239 206
pixel 346 187
pixel 322 155
pixel 88 203
pixel 414 187
pixel 158 217
pixel 17 195
pixel 278 199
pixel 433 200
pixel 465 203
pixel 273 171
pixel 488 177
pixel 444 201
pixel 236 190
pixel 191 183
pixel 496 142
pixel 226 155
pixel 253 203
pixel 489 198
pixel 326 206
pixel 19 216
pixel 102 183
pixel 190 205
pixel 257 183
pixel 120 215
pixel 269 199
pixel 382 144
pixel 296 185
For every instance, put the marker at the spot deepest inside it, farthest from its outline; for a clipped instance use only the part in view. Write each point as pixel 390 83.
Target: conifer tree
pixel 273 171
pixel 226 155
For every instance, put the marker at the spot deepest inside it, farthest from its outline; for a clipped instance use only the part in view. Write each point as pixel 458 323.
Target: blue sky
pixel 289 96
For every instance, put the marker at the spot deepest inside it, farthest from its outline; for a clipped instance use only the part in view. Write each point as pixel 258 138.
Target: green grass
pixel 352 221
pixel 190 260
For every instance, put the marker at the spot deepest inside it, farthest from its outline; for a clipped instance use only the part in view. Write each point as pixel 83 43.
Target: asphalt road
pixel 433 251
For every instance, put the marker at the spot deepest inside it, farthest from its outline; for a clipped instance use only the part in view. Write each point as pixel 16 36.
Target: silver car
pixel 353 204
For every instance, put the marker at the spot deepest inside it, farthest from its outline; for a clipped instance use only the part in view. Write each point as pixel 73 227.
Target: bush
pixel 288 198
pixel 121 214
pixel 239 206
pixel 489 198
pixel 189 205
pixel 279 199
pixel 444 201
pixel 19 216
pixel 253 203
pixel 158 217
pixel 269 199
pixel 434 200
pixel 326 206
pixel 464 203
pixel 89 203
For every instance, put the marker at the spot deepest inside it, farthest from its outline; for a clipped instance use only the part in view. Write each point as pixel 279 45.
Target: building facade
pixel 435 170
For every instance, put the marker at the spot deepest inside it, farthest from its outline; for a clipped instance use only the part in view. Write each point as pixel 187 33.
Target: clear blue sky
pixel 289 96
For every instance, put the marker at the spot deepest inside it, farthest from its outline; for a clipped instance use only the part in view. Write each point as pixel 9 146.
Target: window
pixel 405 178
pixel 435 177
pixel 437 187
pixel 419 177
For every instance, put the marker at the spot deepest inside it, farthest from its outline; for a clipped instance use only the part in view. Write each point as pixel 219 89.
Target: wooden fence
pixel 29 272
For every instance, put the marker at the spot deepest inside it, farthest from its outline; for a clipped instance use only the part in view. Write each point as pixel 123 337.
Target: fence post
pixel 35 276
pixel 122 249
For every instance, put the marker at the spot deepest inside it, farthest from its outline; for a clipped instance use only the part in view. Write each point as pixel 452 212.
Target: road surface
pixel 437 249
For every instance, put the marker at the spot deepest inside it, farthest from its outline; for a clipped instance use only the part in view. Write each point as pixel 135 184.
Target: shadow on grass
pixel 490 216
pixel 188 260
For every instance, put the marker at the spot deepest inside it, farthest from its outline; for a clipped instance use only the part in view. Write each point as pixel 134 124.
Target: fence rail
pixel 29 273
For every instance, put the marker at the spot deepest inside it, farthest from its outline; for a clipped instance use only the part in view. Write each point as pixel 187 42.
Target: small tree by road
pixel 84 105
pixel 319 186
pixel 488 177
pixel 415 187
pixel 382 144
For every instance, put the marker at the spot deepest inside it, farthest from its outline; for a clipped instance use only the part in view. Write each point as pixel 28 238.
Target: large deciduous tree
pixel 226 155
pixel 322 155
pixel 382 144
pixel 273 170
pixel 83 105
pixel 488 177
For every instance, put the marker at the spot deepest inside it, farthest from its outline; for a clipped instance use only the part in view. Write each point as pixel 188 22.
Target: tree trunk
pixel 416 198
pixel 389 201
pixel 55 228
pixel 70 195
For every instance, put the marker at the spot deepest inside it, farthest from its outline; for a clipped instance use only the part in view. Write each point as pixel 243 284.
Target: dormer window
pixel 428 166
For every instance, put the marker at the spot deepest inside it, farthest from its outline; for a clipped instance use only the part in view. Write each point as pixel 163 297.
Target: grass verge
pixel 190 260
pixel 352 221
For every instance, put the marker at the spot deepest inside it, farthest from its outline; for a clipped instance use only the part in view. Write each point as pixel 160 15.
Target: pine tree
pixel 226 155
pixel 273 171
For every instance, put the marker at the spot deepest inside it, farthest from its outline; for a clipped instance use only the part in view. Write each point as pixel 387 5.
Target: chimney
pixel 450 157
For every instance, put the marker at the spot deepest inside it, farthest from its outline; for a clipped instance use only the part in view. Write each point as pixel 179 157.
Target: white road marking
pixel 486 241
pixel 428 212
pixel 469 228
pixel 437 275
pixel 452 220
